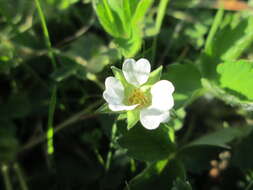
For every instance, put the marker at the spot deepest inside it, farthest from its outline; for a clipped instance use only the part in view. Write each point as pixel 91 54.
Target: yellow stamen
pixel 138 97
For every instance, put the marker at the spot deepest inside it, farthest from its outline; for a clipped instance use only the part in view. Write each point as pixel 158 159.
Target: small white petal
pixel 114 95
pixel 114 91
pixel 162 98
pixel 121 107
pixel 136 73
pixel 151 117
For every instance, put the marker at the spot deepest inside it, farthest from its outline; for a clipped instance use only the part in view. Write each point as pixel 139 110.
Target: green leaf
pixel 148 145
pixel 186 79
pixel 159 175
pixel 234 40
pixel 90 54
pixel 228 43
pixel 141 10
pixel 129 8
pixel 228 96
pixel 121 9
pixel 129 46
pixel 119 18
pixel 154 76
pixel 105 17
pixel 197 154
pixel 237 76
pixel 221 137
pixel 133 117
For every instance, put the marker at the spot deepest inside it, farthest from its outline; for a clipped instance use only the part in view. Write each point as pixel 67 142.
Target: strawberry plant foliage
pixel 237 76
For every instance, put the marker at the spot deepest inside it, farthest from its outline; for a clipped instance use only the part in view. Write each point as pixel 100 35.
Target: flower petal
pixel 162 98
pixel 136 73
pixel 151 117
pixel 114 95
pixel 121 107
pixel 114 91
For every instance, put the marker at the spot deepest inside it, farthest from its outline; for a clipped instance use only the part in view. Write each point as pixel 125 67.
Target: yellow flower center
pixel 140 98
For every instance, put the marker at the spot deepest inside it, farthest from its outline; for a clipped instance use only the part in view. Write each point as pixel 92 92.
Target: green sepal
pixel 122 116
pixel 120 76
pixel 104 109
pixel 154 76
pixel 133 116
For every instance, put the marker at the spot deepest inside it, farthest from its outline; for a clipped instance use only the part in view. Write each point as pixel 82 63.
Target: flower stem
pixel 21 178
pixel 50 130
pixel 46 33
pixel 53 99
pixel 99 157
pixel 109 155
pixel 6 177
pixel 213 30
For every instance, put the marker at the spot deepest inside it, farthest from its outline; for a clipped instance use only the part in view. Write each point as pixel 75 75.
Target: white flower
pixel 153 102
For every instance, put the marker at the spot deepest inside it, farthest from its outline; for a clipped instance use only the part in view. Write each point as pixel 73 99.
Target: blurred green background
pixel 55 135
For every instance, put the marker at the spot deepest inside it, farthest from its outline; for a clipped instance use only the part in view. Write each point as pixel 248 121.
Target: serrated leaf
pixel 237 76
pixel 231 39
pixel 148 145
